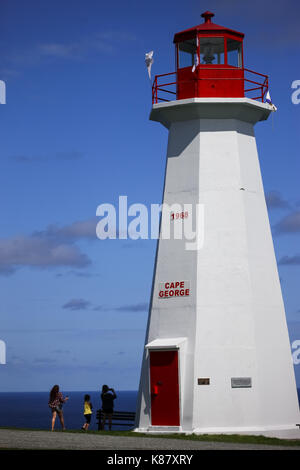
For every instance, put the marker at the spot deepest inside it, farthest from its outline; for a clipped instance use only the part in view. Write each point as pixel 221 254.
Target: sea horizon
pixel 31 410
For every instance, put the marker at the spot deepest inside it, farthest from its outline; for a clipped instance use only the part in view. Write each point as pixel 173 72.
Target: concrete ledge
pixel 243 109
pixel 289 431
pixel 279 432
pixel 160 430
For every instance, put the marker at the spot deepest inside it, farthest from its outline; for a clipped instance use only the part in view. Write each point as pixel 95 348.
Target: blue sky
pixel 75 133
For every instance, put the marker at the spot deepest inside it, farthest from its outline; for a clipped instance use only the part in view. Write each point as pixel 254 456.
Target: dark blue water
pixel 30 410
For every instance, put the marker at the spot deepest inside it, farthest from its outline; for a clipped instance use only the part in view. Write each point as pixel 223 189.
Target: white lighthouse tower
pixel 217 353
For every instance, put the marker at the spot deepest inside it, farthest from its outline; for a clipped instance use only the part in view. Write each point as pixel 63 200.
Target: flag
pixel 149 61
pixel 196 56
pixel 269 101
pixel 268 98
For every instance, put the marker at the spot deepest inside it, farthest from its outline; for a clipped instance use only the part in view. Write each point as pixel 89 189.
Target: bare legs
pixel 61 419
pixel 53 420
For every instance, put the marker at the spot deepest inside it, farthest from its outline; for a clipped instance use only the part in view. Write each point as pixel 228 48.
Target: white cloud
pixel 289 224
pixel 82 229
pixel 139 307
pixel 274 200
pixel 39 252
pixel 53 247
pixel 107 42
pixel 290 260
pixel 59 50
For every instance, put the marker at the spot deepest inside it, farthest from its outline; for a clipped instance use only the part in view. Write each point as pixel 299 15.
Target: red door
pixel 164 388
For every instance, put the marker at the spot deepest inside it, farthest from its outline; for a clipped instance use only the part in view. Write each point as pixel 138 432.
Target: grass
pixel 229 438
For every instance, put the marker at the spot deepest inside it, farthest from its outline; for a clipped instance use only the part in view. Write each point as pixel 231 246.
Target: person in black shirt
pixel 108 396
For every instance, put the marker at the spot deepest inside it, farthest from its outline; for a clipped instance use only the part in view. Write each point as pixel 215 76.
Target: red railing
pixel 255 87
pixel 262 87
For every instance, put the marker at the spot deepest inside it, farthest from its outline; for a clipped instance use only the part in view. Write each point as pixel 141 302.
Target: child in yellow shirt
pixel 87 412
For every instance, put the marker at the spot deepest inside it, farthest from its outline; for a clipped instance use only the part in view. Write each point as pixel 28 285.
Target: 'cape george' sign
pixel 172 289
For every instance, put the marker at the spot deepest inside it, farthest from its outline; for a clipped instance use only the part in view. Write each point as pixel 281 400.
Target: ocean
pixel 30 409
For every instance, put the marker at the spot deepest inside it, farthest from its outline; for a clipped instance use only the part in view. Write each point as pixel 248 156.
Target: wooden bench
pixel 121 418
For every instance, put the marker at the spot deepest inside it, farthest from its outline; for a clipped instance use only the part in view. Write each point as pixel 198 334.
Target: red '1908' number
pixel 179 215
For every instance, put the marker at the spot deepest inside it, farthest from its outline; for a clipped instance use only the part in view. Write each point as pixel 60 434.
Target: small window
pixel 187 51
pixel 234 53
pixel 211 51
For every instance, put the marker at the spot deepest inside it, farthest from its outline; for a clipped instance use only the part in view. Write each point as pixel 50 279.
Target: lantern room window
pixel 234 53
pixel 187 51
pixel 212 50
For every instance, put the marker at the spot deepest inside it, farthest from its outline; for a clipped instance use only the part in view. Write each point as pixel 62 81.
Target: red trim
pixel 225 51
pixel 242 54
pixel 206 28
pixel 163 88
pixel 179 37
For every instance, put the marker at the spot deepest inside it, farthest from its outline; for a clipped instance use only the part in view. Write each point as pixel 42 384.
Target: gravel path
pixel 18 439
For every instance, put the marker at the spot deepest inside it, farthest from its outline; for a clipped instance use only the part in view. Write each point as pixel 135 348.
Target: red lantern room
pixel 209 63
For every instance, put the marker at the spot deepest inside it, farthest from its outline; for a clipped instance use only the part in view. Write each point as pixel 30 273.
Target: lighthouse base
pixel 259 430
pixel 289 431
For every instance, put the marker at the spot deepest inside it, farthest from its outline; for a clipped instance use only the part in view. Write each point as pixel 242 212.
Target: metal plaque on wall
pixel 241 382
pixel 203 381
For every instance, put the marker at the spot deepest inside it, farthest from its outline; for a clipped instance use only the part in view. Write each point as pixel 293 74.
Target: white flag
pixel 269 101
pixel 196 57
pixel 268 98
pixel 149 61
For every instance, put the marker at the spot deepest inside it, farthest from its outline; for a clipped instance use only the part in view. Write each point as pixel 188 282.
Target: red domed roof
pixel 207 27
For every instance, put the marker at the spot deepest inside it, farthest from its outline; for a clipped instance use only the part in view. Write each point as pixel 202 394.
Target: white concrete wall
pixel 234 319
pixel 169 316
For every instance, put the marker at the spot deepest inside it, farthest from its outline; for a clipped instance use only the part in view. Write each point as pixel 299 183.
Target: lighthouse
pixel 217 353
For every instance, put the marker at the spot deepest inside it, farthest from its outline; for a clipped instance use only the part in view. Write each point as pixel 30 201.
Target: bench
pixel 121 418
